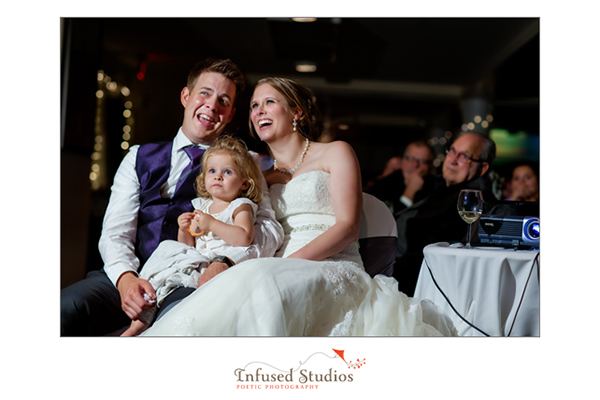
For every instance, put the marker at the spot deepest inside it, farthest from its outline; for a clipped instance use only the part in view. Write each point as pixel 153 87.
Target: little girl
pixel 229 189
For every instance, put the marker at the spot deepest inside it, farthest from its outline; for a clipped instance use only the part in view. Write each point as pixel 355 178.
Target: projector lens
pixel 533 230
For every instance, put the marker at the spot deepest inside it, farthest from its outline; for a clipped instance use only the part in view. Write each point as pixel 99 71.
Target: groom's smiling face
pixel 208 107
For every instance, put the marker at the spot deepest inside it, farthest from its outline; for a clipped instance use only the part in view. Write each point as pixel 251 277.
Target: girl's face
pixel 270 113
pixel 524 177
pixel 222 179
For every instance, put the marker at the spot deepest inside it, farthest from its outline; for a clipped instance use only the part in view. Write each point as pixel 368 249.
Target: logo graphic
pixel 310 374
pixel 358 363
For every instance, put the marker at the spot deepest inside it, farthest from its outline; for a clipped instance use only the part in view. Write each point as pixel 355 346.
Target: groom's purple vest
pixel 157 217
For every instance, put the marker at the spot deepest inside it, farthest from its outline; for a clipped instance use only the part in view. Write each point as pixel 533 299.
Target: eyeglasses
pixel 419 160
pixel 461 157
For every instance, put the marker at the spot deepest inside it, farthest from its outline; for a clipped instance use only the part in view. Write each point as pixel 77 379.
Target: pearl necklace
pixel 291 171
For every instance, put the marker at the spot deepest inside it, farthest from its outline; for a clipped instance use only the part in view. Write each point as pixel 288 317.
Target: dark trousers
pixel 406 272
pixel 92 306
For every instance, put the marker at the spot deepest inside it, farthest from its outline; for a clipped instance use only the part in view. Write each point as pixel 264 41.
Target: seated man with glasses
pixel 435 219
pixel 411 183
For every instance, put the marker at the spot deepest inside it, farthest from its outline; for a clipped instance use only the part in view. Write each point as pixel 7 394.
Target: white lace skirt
pixel 291 297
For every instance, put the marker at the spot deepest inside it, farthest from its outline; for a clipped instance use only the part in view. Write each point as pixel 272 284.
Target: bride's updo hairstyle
pixel 244 164
pixel 310 124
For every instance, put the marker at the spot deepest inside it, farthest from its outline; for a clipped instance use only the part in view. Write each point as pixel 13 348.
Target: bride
pixel 316 285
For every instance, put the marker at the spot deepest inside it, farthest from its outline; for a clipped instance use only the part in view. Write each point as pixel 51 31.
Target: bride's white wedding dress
pixel 292 297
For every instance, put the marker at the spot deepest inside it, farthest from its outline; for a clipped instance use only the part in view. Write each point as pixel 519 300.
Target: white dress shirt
pixel 119 229
pixel 406 201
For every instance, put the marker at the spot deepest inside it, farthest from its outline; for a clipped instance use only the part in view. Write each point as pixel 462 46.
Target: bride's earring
pixel 294 124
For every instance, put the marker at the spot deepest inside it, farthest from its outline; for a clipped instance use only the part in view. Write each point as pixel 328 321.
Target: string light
pixel 107 88
pixel 439 142
pixel 478 120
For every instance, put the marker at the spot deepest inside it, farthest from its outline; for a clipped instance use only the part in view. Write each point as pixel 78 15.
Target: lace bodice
pixel 304 208
pixel 306 194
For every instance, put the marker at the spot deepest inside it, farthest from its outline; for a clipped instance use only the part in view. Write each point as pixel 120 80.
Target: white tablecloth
pixel 485 285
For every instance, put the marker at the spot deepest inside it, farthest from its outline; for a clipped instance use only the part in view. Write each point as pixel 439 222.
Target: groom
pixel 152 187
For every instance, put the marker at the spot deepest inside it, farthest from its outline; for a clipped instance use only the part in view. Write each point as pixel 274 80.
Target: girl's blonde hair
pixel 245 164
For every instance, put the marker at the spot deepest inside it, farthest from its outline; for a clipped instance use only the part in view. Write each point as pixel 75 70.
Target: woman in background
pixel 524 185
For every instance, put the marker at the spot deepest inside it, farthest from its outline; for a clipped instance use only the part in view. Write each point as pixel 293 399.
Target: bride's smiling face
pixel 270 114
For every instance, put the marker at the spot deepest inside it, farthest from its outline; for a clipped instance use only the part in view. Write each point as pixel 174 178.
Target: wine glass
pixel 470 206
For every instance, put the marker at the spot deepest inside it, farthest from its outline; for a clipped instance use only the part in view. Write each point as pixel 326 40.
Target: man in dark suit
pixel 411 183
pixel 435 218
pixel 152 187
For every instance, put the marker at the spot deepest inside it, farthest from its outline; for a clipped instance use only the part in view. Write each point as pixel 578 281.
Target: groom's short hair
pixel 224 67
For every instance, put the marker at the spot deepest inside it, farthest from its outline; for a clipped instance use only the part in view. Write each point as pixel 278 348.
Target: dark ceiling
pixel 444 51
pixel 389 80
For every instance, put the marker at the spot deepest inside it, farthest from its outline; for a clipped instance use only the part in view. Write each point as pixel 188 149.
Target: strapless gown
pixel 291 297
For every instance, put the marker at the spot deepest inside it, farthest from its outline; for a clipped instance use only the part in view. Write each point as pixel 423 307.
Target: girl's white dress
pixel 174 264
pixel 293 297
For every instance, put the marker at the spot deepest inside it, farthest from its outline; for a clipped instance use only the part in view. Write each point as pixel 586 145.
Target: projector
pixel 509 230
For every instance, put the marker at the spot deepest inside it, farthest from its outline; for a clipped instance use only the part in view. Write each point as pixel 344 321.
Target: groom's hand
pixel 132 288
pixel 213 270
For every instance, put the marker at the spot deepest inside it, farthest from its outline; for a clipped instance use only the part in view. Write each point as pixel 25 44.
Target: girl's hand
pixel 185 220
pixel 184 236
pixel 203 220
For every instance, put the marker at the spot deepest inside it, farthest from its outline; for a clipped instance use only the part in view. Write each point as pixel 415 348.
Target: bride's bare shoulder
pixel 331 148
pixel 336 146
pixel 337 151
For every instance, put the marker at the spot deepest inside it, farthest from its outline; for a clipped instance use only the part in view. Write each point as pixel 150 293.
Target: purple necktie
pixel 195 154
